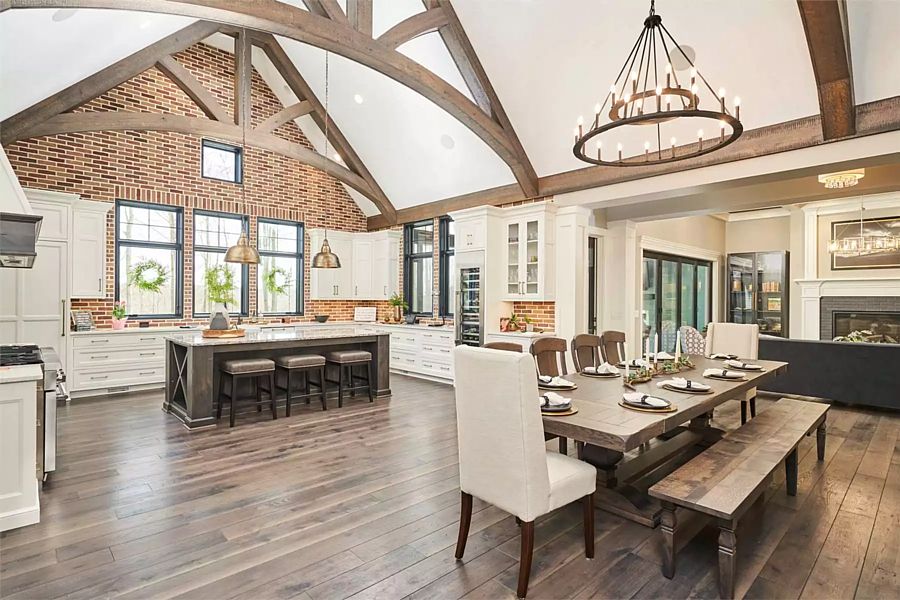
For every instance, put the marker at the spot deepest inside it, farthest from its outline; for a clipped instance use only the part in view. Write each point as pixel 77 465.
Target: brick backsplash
pixel 542 314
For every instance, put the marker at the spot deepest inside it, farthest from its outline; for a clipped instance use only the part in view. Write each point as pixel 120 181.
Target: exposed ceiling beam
pixel 289 113
pixel 85 122
pixel 328 9
pixel 303 91
pixel 189 84
pixel 413 27
pixel 828 38
pixel 243 73
pixel 17 126
pixel 359 13
pixel 467 61
pixel 304 26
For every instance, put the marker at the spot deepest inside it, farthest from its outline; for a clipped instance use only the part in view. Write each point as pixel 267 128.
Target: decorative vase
pixel 119 323
pixel 398 313
pixel 218 319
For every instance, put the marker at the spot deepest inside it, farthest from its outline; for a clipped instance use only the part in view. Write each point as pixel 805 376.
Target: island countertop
pixel 262 336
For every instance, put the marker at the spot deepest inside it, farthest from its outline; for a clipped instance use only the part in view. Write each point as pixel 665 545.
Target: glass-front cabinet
pixel 758 286
pixel 526 242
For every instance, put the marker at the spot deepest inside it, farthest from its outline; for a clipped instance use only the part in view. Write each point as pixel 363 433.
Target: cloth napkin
pixel 604 369
pixel 737 364
pixel 635 363
pixel 554 381
pixel 720 355
pixel 645 401
pixel 553 400
pixel 662 356
pixel 684 384
pixel 723 373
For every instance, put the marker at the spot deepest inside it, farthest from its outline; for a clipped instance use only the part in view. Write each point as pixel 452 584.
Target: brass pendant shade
pixel 326 259
pixel 242 252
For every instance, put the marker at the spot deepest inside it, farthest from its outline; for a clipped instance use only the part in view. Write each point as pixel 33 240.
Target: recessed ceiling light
pixel 337 157
pixel 357 98
pixel 145 24
pixel 64 13
pixel 447 142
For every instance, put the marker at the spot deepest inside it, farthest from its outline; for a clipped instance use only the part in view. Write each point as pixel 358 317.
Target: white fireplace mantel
pixel 813 290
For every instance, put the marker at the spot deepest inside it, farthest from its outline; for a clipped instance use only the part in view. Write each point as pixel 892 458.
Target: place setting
pixel 641 402
pixel 724 374
pixel 554 405
pixel 740 365
pixel 604 371
pixel 546 382
pixel 685 386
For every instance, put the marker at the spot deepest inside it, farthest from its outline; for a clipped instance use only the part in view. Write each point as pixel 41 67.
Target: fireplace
pixel 885 326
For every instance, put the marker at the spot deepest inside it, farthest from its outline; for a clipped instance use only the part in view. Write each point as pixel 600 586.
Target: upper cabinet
pixel 528 253
pixel 89 249
pixel 369 266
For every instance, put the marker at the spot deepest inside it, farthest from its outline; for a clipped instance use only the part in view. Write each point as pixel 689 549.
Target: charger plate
pixel 601 375
pixel 566 413
pixel 672 388
pixel 672 408
pixel 759 370
pixel 720 378
pixel 556 387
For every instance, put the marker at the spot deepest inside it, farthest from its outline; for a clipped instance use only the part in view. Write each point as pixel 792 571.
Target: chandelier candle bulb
pixel 612 91
pixel 580 126
pixel 722 98
pixel 646 151
pixel 737 108
pixel 619 148
pixel 672 141
pixel 599 148
pixel 693 76
pixel 722 130
pixel 700 138
pixel 695 95
pixel 597 109
pixel 668 75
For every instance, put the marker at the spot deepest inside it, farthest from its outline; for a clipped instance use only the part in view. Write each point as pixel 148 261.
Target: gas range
pixel 19 354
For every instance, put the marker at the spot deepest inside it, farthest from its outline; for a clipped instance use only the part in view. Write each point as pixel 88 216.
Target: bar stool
pixel 246 368
pixel 347 359
pixel 301 364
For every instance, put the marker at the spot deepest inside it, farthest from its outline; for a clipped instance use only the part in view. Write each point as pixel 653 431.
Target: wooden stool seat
pixel 345 360
pixel 247 365
pixel 246 368
pixel 300 360
pixel 303 365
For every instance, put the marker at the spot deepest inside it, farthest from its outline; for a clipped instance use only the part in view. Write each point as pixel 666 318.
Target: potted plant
pixel 219 282
pixel 518 323
pixel 398 305
pixel 119 315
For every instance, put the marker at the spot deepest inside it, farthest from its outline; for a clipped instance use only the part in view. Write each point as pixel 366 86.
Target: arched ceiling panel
pixel 874 31
pixel 550 63
pixel 45 51
pixel 416 151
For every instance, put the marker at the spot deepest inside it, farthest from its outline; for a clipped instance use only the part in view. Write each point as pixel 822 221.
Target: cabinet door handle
pixel 100 285
pixel 146 372
pixel 100 377
pixel 99 341
pixel 62 318
pixel 356 290
pixel 100 356
pixel 148 354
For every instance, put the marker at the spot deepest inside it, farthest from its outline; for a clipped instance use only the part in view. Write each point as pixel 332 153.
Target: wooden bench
pixel 726 479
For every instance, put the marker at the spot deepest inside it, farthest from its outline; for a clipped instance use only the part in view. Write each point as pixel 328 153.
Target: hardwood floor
pixel 363 502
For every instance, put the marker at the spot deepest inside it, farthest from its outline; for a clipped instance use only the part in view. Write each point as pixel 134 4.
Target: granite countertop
pixel 17 373
pixel 262 336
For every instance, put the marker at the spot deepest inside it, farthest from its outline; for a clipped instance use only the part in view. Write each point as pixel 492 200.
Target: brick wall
pixel 542 314
pixel 164 168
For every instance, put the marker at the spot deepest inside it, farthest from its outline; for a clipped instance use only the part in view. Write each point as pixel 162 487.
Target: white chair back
pixel 502 457
pixel 733 338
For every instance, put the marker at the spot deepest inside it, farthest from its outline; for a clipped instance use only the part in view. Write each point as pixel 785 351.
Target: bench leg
pixel 820 441
pixel 743 411
pixel 753 406
pixel 667 524
pixel 790 472
pixel 563 445
pixel 727 549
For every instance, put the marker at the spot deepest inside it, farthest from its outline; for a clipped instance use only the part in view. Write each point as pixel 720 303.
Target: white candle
pixel 655 346
pixel 678 345
pixel 625 351
pixel 647 350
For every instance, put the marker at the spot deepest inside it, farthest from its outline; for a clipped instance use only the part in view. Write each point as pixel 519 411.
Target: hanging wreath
pixel 219 284
pixel 148 275
pixel 270 281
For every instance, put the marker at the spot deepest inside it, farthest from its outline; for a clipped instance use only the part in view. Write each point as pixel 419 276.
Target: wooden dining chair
pixel 741 340
pixel 550 356
pixel 508 346
pixel 612 346
pixel 586 351
pixel 502 458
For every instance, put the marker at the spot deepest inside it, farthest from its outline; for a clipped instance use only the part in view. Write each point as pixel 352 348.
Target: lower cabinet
pixel 421 351
pixel 108 362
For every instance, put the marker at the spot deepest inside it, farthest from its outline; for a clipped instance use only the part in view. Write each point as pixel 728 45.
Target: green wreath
pixel 136 276
pixel 271 283
pixel 219 284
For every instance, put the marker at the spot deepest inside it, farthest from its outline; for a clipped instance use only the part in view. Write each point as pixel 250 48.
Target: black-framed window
pixel 149 263
pixel 677 291
pixel 213 234
pixel 418 266
pixel 221 161
pixel 446 281
pixel 279 289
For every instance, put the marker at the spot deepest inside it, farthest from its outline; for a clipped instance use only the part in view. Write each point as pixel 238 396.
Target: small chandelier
pixel 864 244
pixel 648 92
pixel 844 179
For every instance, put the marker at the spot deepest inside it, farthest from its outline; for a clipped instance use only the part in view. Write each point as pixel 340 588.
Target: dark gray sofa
pixel 851 373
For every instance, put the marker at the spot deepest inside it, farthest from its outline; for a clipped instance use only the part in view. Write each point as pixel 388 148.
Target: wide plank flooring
pixel 362 502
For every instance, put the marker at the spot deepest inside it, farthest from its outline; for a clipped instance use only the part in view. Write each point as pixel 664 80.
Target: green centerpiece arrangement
pixel 398 305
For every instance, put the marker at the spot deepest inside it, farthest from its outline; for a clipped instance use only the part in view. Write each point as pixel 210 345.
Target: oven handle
pixel 61 392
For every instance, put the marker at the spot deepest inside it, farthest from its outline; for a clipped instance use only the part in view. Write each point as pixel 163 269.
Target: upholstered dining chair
pixel 550 356
pixel 507 346
pixel 612 346
pixel 692 341
pixel 586 351
pixel 741 340
pixel 502 458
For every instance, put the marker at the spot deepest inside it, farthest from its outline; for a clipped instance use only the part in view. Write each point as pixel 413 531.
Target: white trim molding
pixel 762 213
pixel 813 290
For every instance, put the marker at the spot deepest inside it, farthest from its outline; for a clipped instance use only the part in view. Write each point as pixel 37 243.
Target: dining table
pixel 641 444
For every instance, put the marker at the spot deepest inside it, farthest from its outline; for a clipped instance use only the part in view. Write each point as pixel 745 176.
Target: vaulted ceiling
pixel 546 61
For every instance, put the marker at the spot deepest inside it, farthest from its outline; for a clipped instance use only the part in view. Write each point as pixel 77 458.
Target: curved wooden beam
pixel 191 86
pixel 413 27
pixel 86 122
pixel 294 111
pixel 282 19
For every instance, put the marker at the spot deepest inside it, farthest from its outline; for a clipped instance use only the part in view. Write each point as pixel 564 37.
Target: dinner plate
pixel 673 388
pixel 720 378
pixel 601 375
pixel 756 368
pixel 544 386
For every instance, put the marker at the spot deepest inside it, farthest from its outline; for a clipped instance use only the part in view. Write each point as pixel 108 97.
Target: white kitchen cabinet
pixel 528 254
pixel 89 249
pixel 470 233
pixel 19 500
pixel 332 284
pixel 386 264
pixel 370 264
pixel 107 361
pixel 362 267
pixel 421 351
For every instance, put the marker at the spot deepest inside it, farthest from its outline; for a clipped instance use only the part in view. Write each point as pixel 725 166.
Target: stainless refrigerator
pixel 469 298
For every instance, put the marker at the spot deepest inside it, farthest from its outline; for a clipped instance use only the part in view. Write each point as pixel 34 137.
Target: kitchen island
pixel 192 362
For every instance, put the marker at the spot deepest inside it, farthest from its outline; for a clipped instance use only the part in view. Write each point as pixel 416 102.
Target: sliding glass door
pixel 677 291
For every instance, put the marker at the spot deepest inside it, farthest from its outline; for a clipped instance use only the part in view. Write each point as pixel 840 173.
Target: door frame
pixel 660 246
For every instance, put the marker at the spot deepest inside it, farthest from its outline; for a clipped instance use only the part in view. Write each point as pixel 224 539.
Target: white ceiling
pixel 548 61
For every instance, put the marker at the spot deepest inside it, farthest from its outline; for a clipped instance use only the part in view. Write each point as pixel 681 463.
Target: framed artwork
pixel 773 304
pixel 877 226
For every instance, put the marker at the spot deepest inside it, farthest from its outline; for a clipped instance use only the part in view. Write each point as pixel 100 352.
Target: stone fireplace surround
pixel 829 305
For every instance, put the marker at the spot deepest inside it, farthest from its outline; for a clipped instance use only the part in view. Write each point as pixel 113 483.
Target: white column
pixel 571 272
pixel 620 308
pixel 810 300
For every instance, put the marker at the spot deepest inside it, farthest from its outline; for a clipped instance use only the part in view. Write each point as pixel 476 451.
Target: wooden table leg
pixel 727 550
pixel 790 473
pixel 820 441
pixel 667 523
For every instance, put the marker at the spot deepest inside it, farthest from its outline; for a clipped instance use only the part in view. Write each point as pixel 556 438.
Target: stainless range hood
pixel 18 235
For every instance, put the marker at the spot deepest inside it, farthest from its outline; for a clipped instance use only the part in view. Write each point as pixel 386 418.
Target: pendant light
pixel 325 258
pixel 242 252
